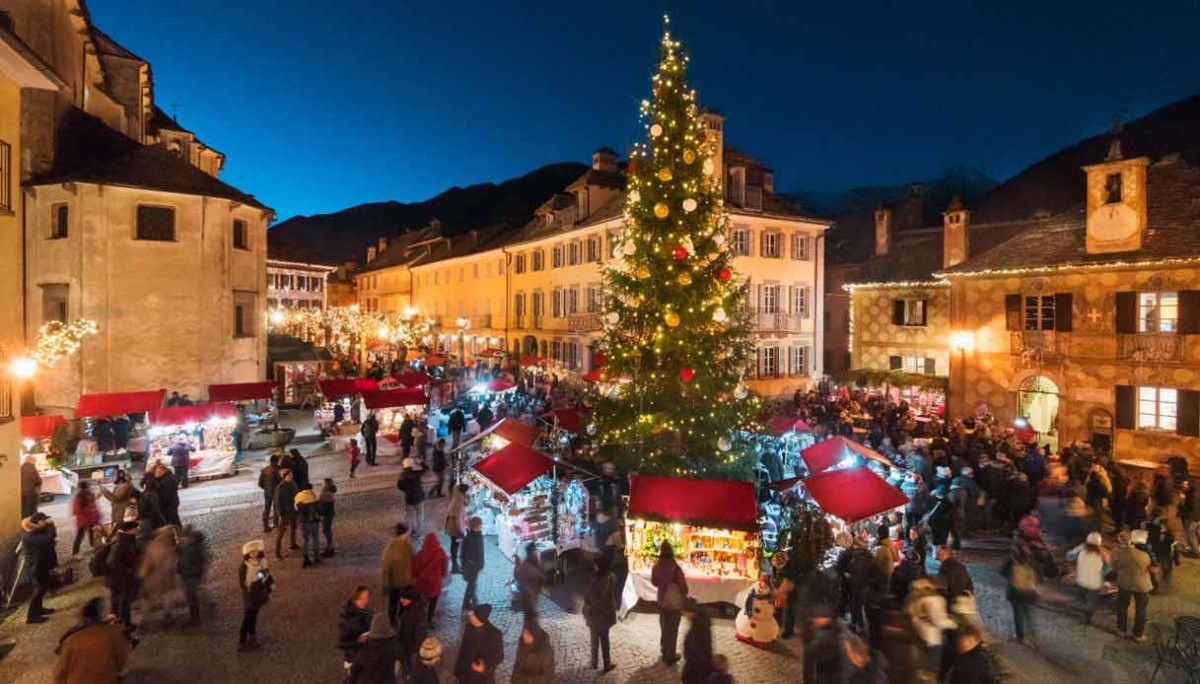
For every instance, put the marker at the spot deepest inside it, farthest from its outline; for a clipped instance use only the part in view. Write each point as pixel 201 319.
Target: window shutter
pixel 1063 314
pixel 1189 312
pixel 1187 420
pixel 930 366
pixel 1127 312
pixel 894 363
pixel 897 312
pixel 1012 312
pixel 924 311
pixel 1126 407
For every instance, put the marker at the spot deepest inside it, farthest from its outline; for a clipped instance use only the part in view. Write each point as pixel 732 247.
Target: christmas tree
pixel 676 344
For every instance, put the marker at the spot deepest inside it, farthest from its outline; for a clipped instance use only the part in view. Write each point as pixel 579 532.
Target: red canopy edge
pixel 724 504
pixel 508 428
pixel 497 385
pixel 533 360
pixel 594 376
pixel 40 427
pixel 118 403
pixel 195 413
pixel 514 467
pixel 569 419
pixel 346 387
pixel 435 360
pixel 241 391
pixel 853 494
pixel 829 453
pixel 490 352
pixel 412 378
pixel 380 399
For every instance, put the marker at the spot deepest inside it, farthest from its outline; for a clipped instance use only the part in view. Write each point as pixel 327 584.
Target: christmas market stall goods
pixel 565 424
pixel 258 414
pixel 522 501
pixel 712 526
pixel 46 439
pixel 208 428
pixel 112 430
pixel 344 391
pixel 391 408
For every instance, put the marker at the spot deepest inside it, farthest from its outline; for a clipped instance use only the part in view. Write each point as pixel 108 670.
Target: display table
pixel 56 481
pixel 701 588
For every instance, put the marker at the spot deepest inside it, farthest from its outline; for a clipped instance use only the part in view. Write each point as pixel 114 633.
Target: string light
pixel 57 339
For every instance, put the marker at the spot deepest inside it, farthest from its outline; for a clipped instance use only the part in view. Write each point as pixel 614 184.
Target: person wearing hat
pixel 180 454
pixel 256 583
pixel 1091 565
pixel 397 566
pixel 425 669
pixel 122 579
pixel 95 651
pixel 534 661
pixel 375 662
pixel 1132 566
pixel 411 625
pixel 481 650
pixel 37 547
pixel 285 498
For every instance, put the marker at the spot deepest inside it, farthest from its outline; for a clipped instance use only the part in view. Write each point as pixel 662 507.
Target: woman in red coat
pixel 87 515
pixel 429 571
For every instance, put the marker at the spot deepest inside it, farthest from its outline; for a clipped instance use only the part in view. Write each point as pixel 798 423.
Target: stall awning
pixel 435 360
pixel 570 419
pixel 241 391
pixel 594 376
pixel 413 378
pixel 347 387
pixel 534 360
pixel 831 453
pixel 509 429
pixel 413 396
pixel 723 504
pixel 196 413
pixel 118 403
pixel 40 427
pixel 490 353
pixel 495 386
pixel 514 466
pixel 801 426
pixel 780 424
pixel 853 494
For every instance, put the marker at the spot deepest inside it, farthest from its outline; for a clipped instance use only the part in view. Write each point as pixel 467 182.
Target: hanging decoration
pixel 664 174
pixel 719 315
pixel 57 339
pixel 689 205
pixel 725 275
pixel 689 156
pixel 680 252
pixel 672 319
pixel 661 210
pixel 684 279
pixel 656 130
pixel 686 374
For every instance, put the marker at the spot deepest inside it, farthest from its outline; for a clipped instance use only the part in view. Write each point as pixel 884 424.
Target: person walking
pixel 697 645
pixel 530 581
pixel 1132 566
pixel 119 497
pixel 37 549
pixel 456 424
pixel 972 664
pixel 124 558
pixel 1023 580
pixel 534 662
pixel 414 494
pixel 439 468
pixel 353 453
pixel 429 658
pixel 308 519
pixel 926 609
pixel 95 651
pixel 472 560
pixel 193 564
pixel 300 469
pixel 411 626
pixel 1189 515
pixel 353 625
pixel 397 565
pixel 953 574
pixel 369 431
pixel 375 662
pixel 327 509
pixel 285 508
pixel 31 486
pixel 667 577
pixel 429 572
pixel 1091 565
pixel 158 573
pixel 481 650
pixel 256 583
pixel 166 491
pixel 180 454
pixel 86 514
pixel 268 481
pixel 600 610
pixel 456 523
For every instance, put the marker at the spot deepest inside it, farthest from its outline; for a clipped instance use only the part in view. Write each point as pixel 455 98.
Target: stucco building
pixel 297 285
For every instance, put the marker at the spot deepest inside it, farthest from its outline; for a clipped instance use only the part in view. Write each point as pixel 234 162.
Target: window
pixel 909 312
pixel 55 306
pixel 6 177
pixel 768 365
pixel 556 351
pixel 519 304
pixel 1157 407
pixel 593 299
pixel 1112 188
pixel 241 234
pixel 770 299
pixel 462 273
pixel 798 360
pixel 1039 312
pixel 244 315
pixel 592 251
pixel 155 223
pixel 475 270
pixel 573 300
pixel 800 301
pixel 772 245
pixel 60 214
pixel 801 247
pixel 519 267
pixel 1158 312
pixel 556 304
pixel 741 242
pixel 537 303
pixel 913 364
pixel 539 260
pixel 556 257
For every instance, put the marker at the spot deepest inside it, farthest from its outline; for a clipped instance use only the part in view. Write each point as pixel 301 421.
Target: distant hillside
pixel 344 235
pixel 957 180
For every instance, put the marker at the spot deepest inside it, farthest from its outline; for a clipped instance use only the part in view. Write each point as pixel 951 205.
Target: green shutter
pixel 897 312
pixel 1126 407
pixel 1187 413
pixel 1127 313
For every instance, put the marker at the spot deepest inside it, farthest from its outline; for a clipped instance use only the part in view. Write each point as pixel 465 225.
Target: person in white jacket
pixel 1092 562
pixel 926 607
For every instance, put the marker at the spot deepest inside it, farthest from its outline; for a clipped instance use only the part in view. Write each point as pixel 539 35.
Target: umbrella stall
pixel 210 429
pixel 46 438
pixel 712 525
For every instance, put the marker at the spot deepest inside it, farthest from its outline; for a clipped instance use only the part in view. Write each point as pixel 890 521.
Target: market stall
pixel 112 430
pixel 840 452
pixel 208 428
pixel 712 526
pixel 45 438
pixel 412 378
pixel 391 408
pixel 343 391
pixel 258 414
pixel 853 494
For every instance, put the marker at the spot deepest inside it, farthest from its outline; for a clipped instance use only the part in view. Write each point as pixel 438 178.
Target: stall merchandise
pixel 344 391
pixel 111 433
pixel 208 428
pixel 391 408
pixel 712 526
pixel 38 439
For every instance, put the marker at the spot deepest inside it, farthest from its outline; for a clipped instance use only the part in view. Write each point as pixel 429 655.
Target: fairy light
pixel 57 339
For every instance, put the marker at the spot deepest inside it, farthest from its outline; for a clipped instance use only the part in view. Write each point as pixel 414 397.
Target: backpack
pixel 1024 578
pixel 98 565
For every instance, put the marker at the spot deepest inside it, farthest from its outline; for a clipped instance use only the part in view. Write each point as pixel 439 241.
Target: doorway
pixel 1037 402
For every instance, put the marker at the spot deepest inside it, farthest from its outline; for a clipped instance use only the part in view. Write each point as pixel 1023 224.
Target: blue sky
pixel 324 105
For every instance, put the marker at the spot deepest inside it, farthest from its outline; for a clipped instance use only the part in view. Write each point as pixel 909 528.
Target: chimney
pixel 956 234
pixel 604 159
pixel 714 133
pixel 383 243
pixel 370 253
pixel 883 231
pixel 768 181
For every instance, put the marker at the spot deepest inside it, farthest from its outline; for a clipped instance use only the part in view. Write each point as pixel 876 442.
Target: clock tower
pixel 1116 201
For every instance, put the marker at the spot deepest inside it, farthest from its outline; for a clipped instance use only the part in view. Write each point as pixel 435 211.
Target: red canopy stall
pixel 241 391
pixel 392 407
pixel 37 440
pixel 853 494
pixel 110 433
pixel 118 403
pixel 207 428
pixel 839 452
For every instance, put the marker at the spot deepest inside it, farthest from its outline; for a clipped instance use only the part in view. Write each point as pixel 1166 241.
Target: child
pixel 352 449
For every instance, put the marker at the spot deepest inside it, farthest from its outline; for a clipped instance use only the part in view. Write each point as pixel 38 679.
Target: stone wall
pixel 875 337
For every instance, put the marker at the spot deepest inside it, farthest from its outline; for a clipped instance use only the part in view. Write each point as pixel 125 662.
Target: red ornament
pixel 633 163
pixel 726 274
pixel 680 253
pixel 601 360
pixel 685 374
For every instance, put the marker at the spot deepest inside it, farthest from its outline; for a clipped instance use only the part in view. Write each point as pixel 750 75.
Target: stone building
pixel 297 285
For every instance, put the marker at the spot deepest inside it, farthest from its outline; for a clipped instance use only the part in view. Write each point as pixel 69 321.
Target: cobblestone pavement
pixel 299 625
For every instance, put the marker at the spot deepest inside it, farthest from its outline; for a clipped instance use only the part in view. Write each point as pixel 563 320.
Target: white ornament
pixel 635 196
pixel 689 205
pixel 688 245
pixel 591 428
pixel 656 130
pixel 719 238
pixel 708 167
pixel 740 392
pixel 720 316
pixel 629 248
pixel 723 444
pixel 612 317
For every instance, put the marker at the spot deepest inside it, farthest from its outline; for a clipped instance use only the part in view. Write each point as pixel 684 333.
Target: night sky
pixel 321 105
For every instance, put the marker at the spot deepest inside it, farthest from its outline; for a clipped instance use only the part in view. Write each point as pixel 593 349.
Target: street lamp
pixel 23 367
pixel 961 341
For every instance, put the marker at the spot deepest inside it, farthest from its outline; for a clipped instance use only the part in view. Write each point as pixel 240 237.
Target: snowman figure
pixel 756 623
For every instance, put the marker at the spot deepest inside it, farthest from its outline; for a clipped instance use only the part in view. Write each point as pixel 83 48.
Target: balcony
pixel 776 322
pixel 1039 343
pixel 584 323
pixel 1150 347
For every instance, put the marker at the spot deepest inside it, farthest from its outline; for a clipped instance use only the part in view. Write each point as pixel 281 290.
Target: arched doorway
pixel 1037 402
pixel 531 345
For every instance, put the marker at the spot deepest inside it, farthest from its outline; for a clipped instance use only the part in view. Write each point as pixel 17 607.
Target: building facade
pixel 295 285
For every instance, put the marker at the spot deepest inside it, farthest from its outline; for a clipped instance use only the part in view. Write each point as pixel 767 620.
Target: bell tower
pixel 1116 200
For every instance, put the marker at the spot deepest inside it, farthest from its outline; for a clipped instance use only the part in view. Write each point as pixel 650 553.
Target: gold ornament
pixel 661 210
pixel 642 273
pixel 689 156
pixel 672 319
pixel 664 174
pixel 685 279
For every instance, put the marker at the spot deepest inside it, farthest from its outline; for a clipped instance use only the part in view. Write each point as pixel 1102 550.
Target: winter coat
pixel 471 553
pixel 534 663
pixel 972 667
pixel 457 422
pixel 423 674
pixel 123 559
pixel 268 479
pixel 902 578
pixel 157 569
pixel 530 580
pixel 665 573
pixel 927 610
pixel 955 577
pixel 369 428
pixel 181 454
pixel 414 491
pixel 697 650
pixel 85 510
pixel 1090 567
pixel 31 481
pixel 37 545
pixel 874 672
pixel 600 602
pixel 864 573
pixel 375 663
pixel 411 629
pixel 479 643
pixel 1132 566
pixel 456 514
pixel 353 623
pixel 119 496
pixel 167 489
pixel 1135 509
pixel 398 564
pixel 255 592
pixel 92 653
pixel 285 498
pixel 429 567
pixel 193 557
pixel 300 472
pixel 306 508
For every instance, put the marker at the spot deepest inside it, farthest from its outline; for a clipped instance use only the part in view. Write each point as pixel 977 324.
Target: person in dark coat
pixel 953 575
pixel 908 571
pixel 375 662
pixel 530 580
pixel 370 433
pixel 667 577
pixel 268 481
pixel 484 417
pixel 534 663
pixel 181 459
pixel 300 469
pixel 866 579
pixel 456 424
pixel 354 623
pixel 31 487
pixel 439 469
pixel 429 660
pixel 285 506
pixel 407 427
pixel 862 664
pixel 900 648
pixel 600 610
pixel 256 584
pixel 1137 506
pixel 972 665
pixel 697 645
pixel 122 579
pixel 472 559
pixel 822 646
pixel 193 559
pixel 411 624
pixel 482 648
pixel 166 490
pixel 37 547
